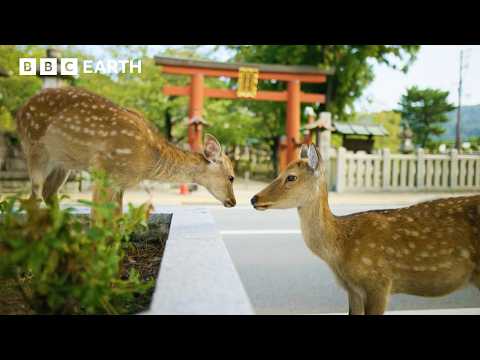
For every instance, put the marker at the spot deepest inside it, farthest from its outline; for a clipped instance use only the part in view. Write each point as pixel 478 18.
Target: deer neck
pixel 318 226
pixel 172 164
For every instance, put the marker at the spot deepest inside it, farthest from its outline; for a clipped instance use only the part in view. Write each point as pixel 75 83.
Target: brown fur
pixel 73 129
pixel 428 249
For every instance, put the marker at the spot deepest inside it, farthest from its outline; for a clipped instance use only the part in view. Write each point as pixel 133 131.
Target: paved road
pixel 280 274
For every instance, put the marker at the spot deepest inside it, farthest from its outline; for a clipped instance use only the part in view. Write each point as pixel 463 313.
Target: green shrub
pixel 62 265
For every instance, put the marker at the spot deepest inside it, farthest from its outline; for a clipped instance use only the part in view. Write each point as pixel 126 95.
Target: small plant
pixel 63 265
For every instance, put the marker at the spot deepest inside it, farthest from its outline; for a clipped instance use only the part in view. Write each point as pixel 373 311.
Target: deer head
pixel 299 183
pixel 218 176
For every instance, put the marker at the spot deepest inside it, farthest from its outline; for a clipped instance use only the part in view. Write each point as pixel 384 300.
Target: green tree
pixel 390 120
pixel 233 122
pixel 425 110
pixel 353 65
pixel 16 89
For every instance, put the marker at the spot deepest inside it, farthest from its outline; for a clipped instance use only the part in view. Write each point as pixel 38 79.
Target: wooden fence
pixel 354 172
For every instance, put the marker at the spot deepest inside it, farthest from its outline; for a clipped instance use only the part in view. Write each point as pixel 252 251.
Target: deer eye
pixel 291 178
pixel 231 178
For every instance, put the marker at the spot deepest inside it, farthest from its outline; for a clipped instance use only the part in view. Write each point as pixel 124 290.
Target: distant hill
pixel 470 124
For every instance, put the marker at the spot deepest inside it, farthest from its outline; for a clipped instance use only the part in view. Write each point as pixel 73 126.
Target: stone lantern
pixel 406 136
pixel 58 80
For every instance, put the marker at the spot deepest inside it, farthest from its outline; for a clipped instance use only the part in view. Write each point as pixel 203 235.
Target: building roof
pixel 275 68
pixel 356 129
pixel 348 129
pixel 318 124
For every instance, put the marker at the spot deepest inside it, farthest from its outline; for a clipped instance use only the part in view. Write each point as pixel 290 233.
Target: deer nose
pixel 230 203
pixel 254 200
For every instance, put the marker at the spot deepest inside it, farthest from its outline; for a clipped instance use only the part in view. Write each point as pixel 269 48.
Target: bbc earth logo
pixel 74 67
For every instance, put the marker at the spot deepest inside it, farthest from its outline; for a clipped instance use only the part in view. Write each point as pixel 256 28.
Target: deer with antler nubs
pixel 68 129
pixel 428 249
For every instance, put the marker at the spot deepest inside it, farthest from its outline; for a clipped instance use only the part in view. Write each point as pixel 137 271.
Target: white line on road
pixel 260 232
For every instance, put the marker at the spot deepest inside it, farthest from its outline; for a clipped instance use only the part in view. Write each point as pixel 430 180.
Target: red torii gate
pixel 198 69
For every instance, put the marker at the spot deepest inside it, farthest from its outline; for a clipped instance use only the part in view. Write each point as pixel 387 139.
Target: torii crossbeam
pixel 198 69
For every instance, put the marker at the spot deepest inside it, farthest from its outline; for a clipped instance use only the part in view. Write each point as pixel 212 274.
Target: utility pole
pixel 458 140
pixel 464 56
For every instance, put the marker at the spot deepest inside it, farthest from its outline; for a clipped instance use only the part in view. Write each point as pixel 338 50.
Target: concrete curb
pixel 197 275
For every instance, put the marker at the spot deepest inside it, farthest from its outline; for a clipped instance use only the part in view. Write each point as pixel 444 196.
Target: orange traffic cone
pixel 184 189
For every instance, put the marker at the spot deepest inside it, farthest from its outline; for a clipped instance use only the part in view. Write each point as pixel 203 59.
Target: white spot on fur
pixel 464 253
pixel 366 261
pixel 419 268
pixel 125 151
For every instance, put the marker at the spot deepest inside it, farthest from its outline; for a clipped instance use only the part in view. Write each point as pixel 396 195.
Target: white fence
pixel 350 171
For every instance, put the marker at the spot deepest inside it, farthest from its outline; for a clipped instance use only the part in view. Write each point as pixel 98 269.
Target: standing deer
pixel 428 249
pixel 73 129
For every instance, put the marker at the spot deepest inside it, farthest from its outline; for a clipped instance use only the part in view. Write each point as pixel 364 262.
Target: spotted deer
pixel 428 249
pixel 68 129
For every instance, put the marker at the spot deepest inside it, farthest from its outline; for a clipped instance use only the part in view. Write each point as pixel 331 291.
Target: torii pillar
pixel 292 125
pixel 195 111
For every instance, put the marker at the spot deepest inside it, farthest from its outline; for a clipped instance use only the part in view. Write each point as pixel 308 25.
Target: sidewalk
pixel 164 195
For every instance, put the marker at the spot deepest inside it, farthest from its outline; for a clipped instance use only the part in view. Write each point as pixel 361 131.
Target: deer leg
pixel 37 164
pixel 119 201
pixel 53 183
pixel 355 303
pixel 99 196
pixel 377 300
pixel 476 278
pixel 110 194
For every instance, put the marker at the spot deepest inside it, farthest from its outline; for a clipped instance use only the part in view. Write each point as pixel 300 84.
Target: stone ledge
pixel 197 275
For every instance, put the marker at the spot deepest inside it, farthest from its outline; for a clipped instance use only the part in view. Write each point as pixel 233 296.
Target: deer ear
pixel 212 149
pixel 304 151
pixel 313 157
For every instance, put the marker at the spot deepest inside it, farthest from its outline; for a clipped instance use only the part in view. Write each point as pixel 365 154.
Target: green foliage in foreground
pixel 63 266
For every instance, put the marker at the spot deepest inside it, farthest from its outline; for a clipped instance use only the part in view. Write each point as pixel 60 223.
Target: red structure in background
pixel 293 75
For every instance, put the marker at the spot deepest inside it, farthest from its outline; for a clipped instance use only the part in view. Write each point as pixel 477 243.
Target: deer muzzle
pixel 230 203
pixel 258 204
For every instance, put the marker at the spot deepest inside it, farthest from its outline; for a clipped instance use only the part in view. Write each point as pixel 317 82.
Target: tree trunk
pixel 274 153
pixel 168 124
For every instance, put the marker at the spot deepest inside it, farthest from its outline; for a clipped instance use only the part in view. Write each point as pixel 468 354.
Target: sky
pixel 437 66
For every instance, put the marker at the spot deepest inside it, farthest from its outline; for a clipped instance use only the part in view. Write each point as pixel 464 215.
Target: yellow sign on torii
pixel 247 82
